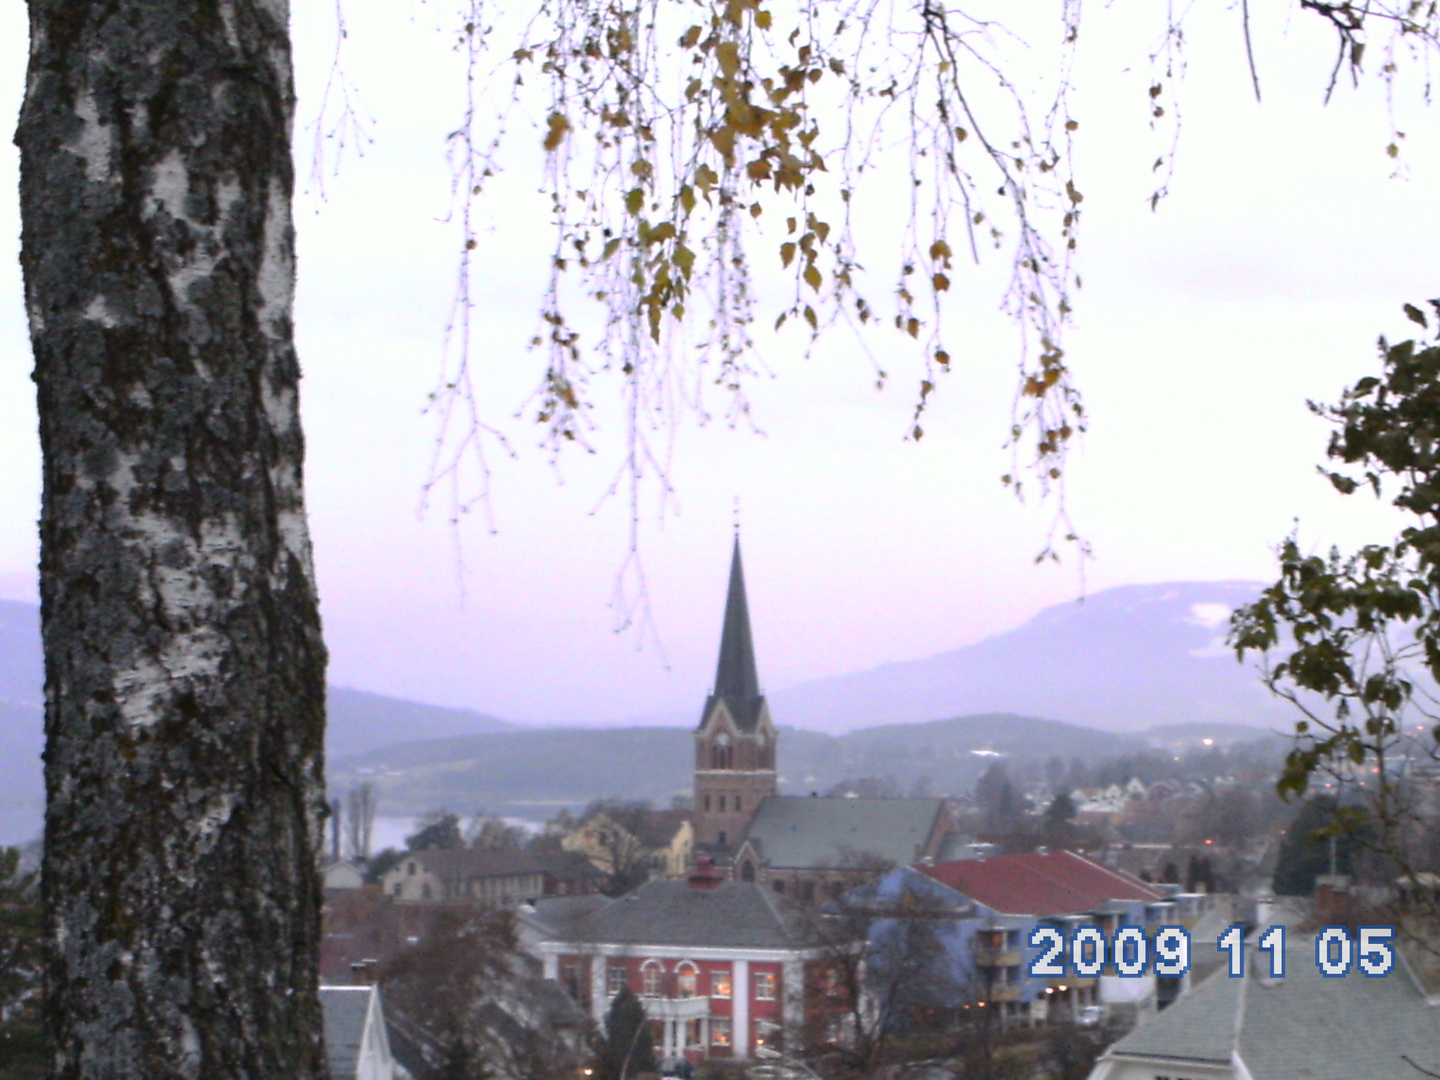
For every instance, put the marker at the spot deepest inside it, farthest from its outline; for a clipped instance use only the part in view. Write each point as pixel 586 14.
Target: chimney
pixel 705 875
pixel 365 972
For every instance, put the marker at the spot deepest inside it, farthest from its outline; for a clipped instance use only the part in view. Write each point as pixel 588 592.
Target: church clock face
pixel 723 739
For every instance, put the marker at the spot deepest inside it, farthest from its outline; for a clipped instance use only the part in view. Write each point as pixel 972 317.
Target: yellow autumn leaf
pixel 558 125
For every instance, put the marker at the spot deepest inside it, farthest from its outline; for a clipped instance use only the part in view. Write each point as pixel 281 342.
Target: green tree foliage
pixel 1344 636
pixel 628 1047
pixel 996 797
pixel 22 1043
pixel 439 830
pixel 377 866
pixel 1305 851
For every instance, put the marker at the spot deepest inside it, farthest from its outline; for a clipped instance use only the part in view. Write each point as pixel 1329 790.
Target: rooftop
pixel 1044 885
pixel 790 831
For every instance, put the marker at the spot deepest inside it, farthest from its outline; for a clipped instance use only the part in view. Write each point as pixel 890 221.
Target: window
pixel 399 889
pixel 720 984
pixel 722 804
pixel 778 886
pixel 807 892
pixel 686 981
pixel 425 890
pixel 615 980
pixel 650 979
pixel 747 871
pixel 722 833
pixel 719 1031
pixel 764 986
pixel 707 804
pixel 737 804
pixel 571 979
pixel 410 869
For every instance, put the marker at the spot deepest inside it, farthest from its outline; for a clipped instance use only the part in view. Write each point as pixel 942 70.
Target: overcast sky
pixel 1284 250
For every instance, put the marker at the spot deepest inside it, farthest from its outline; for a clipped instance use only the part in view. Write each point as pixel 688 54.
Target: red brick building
pixel 725 969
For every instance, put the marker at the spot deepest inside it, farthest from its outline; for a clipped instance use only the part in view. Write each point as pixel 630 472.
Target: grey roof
pixel 790 831
pixel 735 914
pixel 1199 1027
pixel 345 1009
pixel 462 863
pixel 1301 1027
pixel 736 679
pixel 555 915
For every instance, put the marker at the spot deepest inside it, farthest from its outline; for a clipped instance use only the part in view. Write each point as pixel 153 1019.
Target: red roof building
pixel 1043 884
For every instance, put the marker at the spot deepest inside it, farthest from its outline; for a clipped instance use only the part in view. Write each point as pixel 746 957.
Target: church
pixel 806 847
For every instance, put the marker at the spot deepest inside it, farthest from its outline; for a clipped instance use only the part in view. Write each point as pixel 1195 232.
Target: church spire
pixel 735 676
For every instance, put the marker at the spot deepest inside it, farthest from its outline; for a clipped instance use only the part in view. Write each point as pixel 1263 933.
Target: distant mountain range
pixel 359 722
pixel 535 773
pixel 1126 659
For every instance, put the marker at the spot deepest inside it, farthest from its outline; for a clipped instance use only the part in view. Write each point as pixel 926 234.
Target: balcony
pixel 988 958
pixel 1008 992
pixel 675 1008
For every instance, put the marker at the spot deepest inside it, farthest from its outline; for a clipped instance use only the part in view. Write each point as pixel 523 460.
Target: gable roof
pixel 1298 1027
pixel 735 914
pixel 737 682
pixel 1055 883
pixel 790 831
pixel 345 1010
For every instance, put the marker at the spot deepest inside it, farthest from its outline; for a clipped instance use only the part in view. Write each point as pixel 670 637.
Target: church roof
pixel 736 679
pixel 795 832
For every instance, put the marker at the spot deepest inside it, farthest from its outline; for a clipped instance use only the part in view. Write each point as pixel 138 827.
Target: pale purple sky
pixel 1201 330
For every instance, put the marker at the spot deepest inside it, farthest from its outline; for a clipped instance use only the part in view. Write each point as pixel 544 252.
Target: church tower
pixel 735 742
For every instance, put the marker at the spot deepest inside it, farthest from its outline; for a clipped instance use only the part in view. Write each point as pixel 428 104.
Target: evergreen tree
pixel 1305 851
pixel 628 1047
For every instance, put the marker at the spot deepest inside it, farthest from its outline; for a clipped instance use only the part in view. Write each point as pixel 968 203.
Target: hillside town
pixel 746 933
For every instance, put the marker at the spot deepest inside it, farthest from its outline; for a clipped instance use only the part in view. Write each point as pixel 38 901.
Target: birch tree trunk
pixel 184 667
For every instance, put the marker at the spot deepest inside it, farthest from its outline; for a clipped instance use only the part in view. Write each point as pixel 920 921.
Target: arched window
pixel 687 981
pixel 651 974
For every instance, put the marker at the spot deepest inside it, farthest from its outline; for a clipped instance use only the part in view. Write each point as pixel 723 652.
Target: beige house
pixel 660 841
pixel 501 878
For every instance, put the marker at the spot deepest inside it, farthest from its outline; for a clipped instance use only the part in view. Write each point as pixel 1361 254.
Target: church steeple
pixel 735 676
pixel 735 742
